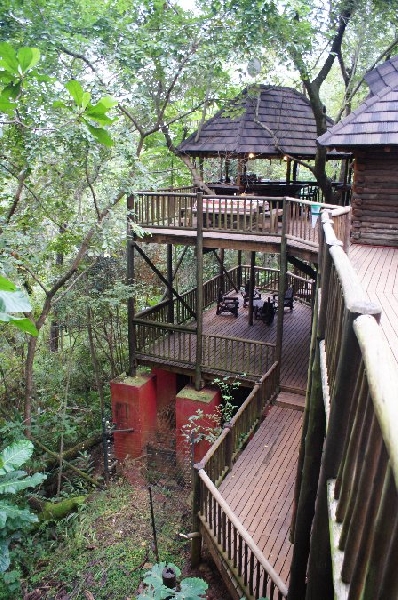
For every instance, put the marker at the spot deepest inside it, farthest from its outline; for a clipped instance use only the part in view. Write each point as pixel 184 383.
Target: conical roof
pixel 268 121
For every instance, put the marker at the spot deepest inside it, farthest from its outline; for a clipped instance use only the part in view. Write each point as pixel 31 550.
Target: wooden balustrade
pixel 358 481
pixel 235 355
pixel 166 341
pixel 160 209
pixel 260 215
pixel 363 497
pixel 219 525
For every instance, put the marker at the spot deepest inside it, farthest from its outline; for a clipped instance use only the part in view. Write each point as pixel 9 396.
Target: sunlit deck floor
pixel 260 487
pixel 296 338
pixel 378 271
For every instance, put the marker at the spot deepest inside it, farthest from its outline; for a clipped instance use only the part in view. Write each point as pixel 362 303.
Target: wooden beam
pixel 199 292
pixel 130 281
pixel 163 278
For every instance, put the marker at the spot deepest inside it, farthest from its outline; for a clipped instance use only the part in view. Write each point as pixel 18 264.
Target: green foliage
pixel 13 300
pixel 14 520
pixel 191 588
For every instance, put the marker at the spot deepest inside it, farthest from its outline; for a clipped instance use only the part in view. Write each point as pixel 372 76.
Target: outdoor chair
pixel 266 312
pixel 245 293
pixel 288 299
pixel 227 304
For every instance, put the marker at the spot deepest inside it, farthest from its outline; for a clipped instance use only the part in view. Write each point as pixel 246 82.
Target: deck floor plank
pixel 378 273
pixel 260 487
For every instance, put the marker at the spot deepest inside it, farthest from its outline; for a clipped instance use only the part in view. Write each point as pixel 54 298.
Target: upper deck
pixel 253 223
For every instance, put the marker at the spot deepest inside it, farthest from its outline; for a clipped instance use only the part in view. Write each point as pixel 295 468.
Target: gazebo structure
pixel 370 133
pixel 263 122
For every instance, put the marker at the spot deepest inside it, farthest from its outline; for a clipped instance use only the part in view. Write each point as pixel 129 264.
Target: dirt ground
pixel 207 569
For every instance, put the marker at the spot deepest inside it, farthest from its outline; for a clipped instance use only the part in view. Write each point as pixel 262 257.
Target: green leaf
pixel 75 90
pixel 6 285
pixel 17 517
pixel 192 588
pixel 13 302
pixel 12 483
pixel 8 58
pixel 22 323
pixel 85 99
pixel 6 106
pixel 28 58
pixel 98 115
pixel 107 101
pixel 101 135
pixel 15 455
pixel 4 557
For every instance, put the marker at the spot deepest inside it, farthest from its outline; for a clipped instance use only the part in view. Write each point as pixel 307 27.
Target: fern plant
pixel 14 519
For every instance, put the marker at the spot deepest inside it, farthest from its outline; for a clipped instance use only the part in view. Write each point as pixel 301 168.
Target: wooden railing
pixel 230 214
pixel 176 344
pixel 356 519
pixel 246 565
pixel 227 355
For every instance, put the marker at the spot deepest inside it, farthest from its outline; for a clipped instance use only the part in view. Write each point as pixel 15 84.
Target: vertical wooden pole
pixel 281 290
pixel 130 281
pixel 288 170
pixel 221 263
pixel 196 542
pixel 170 303
pixel 199 291
pixel 310 462
pixel 239 268
pixel 251 287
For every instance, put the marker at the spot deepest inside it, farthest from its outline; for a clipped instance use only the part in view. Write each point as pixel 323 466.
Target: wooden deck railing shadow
pixel 359 473
pixel 245 567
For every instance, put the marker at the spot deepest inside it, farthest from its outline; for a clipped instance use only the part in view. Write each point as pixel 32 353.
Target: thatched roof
pixel 268 121
pixel 375 121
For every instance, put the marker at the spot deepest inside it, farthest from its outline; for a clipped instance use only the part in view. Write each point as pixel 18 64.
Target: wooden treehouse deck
pixel 295 349
pixel 259 489
pixel 377 268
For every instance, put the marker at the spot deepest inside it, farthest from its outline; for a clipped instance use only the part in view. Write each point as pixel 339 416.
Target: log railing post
pixel 199 291
pixel 196 539
pixel 229 449
pixel 130 281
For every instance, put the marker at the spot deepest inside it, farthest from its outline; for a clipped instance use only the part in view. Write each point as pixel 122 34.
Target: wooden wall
pixel 375 198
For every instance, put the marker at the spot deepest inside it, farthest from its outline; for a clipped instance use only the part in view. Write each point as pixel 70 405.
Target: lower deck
pixel 260 487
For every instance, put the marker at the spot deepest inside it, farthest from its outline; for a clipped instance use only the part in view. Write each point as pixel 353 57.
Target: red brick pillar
pixel 133 407
pixel 188 401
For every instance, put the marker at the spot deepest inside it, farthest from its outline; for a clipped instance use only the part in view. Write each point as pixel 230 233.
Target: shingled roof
pixel 285 124
pixel 375 121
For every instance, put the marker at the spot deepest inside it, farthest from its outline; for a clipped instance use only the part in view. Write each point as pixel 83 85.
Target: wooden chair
pixel 227 304
pixel 266 312
pixel 245 293
pixel 288 299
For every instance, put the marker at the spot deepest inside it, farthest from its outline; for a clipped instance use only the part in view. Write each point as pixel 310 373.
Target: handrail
pixel 382 379
pixel 248 540
pixel 244 214
pixel 358 479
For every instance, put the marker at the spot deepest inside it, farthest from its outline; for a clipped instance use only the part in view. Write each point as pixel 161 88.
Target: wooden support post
pixel 228 446
pixel 288 170
pixel 199 291
pixel 281 290
pixel 251 288
pixel 170 305
pixel 221 262
pixel 130 281
pixel 309 466
pixel 196 541
pixel 239 268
